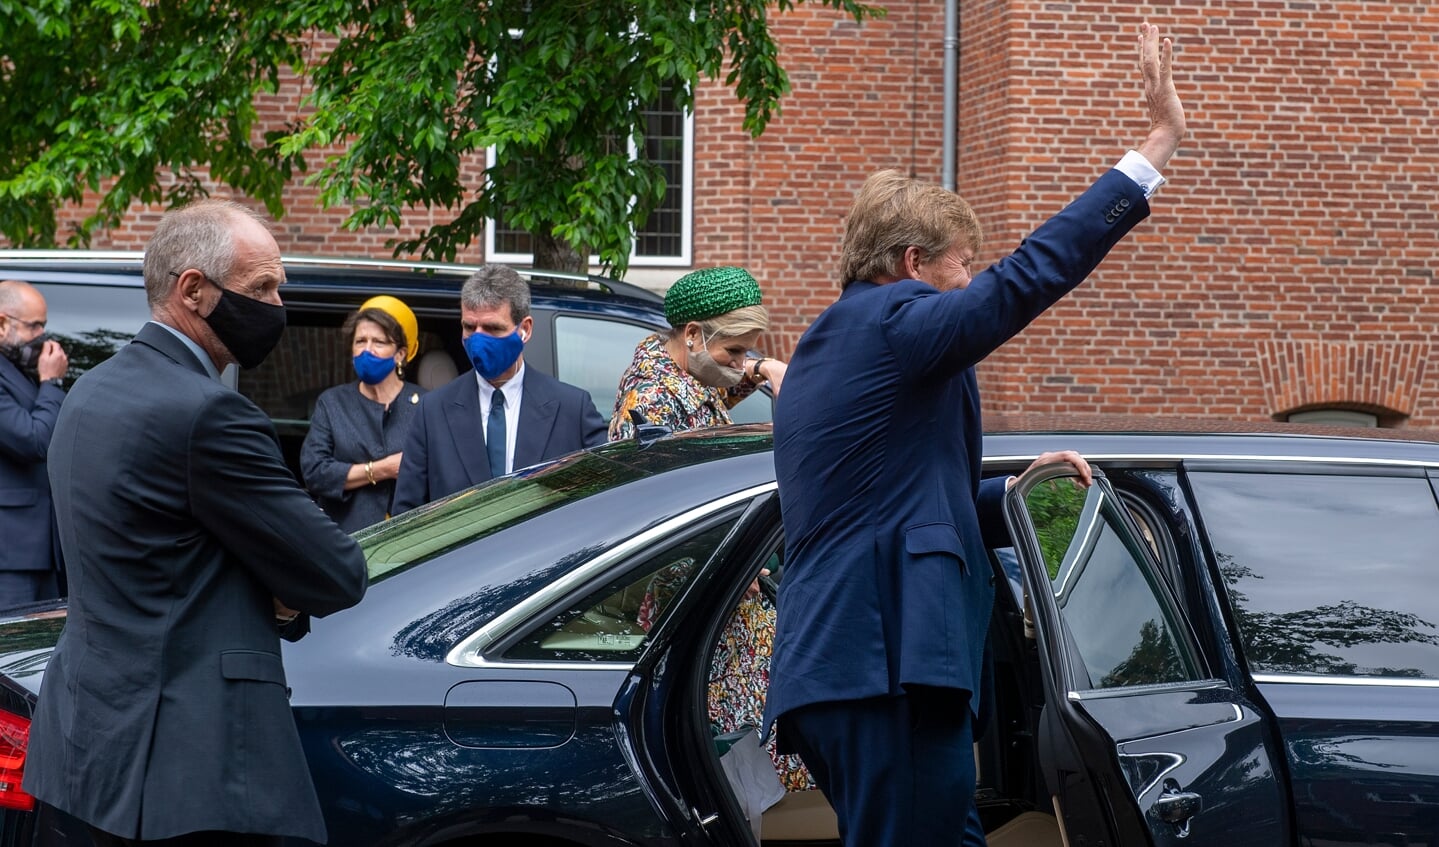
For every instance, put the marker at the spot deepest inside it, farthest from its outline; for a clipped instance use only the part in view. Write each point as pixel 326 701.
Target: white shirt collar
pixel 194 348
pixel 513 390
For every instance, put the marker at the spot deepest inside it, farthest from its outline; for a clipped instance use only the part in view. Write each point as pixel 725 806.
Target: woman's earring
pixel 689 345
pixel 400 368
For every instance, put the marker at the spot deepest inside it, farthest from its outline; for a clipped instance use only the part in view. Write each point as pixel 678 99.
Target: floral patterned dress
pixel 666 394
pixel 739 668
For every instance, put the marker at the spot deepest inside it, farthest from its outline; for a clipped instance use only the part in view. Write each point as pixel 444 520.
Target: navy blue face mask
pixel 493 356
pixel 371 369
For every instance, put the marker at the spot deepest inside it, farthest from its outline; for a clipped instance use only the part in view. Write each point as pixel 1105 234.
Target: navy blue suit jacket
pixel 27 418
pixel 445 451
pixel 877 449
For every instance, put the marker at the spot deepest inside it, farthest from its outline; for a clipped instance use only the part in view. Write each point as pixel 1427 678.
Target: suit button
pixel 1124 203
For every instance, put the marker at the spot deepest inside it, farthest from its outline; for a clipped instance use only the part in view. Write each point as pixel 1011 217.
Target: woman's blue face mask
pixel 371 369
pixel 493 356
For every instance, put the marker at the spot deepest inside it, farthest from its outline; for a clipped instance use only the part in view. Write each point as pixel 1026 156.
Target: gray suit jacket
pixel 27 417
pixel 164 708
pixel 445 451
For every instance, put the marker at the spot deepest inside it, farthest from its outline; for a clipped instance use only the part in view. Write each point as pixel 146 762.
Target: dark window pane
pixel 92 322
pixel 613 623
pixel 662 234
pixel 1328 574
pixel 1119 620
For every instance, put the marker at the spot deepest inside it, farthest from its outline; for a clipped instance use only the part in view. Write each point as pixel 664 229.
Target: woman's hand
pixel 773 370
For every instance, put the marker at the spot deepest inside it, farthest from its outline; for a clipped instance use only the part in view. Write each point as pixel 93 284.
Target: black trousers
pixel 899 771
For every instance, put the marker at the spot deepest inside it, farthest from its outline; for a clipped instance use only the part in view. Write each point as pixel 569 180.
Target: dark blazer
pixel 348 429
pixel 27 417
pixel 887 583
pixel 165 709
pixel 445 452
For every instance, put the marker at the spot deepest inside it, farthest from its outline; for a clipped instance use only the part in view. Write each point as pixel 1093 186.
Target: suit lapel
pixel 538 411
pixel 462 419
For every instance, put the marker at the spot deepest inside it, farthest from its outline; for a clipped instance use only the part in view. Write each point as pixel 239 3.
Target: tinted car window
pixel 1327 574
pixel 1118 618
pixel 611 624
pixel 592 354
pixel 93 321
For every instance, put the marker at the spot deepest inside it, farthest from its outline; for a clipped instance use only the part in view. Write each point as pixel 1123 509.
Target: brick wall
pixel 1289 264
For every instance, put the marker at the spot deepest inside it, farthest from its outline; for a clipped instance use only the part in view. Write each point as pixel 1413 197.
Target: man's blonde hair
pixel 891 212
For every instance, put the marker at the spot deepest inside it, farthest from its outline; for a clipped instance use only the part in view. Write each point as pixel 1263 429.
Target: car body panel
pixel 413 742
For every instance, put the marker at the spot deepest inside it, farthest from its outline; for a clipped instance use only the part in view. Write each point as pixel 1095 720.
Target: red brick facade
pixel 1290 263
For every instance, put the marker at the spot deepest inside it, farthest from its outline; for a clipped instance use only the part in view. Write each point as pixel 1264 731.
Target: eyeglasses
pixel 35 326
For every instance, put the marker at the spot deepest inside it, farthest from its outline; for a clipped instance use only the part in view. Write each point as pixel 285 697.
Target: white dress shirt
pixel 513 391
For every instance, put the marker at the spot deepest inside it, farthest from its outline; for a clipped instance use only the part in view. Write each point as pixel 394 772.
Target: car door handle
pixel 1177 807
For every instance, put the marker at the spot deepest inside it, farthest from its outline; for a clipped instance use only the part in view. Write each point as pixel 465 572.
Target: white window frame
pixel 684 259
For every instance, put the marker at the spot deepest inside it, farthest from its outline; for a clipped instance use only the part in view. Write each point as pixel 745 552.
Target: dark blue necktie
pixel 495 434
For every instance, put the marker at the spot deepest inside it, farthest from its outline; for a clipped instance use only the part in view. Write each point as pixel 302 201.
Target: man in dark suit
pixel 461 435
pixel 32 372
pixel 886 598
pixel 191 550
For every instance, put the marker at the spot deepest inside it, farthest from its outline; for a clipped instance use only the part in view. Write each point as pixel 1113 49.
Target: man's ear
pixel 527 328
pixel 913 258
pixel 189 287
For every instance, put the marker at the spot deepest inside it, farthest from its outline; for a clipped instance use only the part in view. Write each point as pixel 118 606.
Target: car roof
pixel 1099 436
pixel 1010 439
pixel 335 275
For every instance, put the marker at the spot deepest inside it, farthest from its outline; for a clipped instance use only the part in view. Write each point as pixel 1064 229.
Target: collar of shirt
pixel 513 391
pixel 194 348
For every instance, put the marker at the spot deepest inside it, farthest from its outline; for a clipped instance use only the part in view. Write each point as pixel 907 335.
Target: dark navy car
pixel 1229 640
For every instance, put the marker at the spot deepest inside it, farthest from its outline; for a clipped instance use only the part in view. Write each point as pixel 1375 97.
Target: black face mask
pixel 248 328
pixel 27 356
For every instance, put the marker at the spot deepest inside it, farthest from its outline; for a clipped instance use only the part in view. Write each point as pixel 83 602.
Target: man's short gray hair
pixel 492 285
pixel 201 236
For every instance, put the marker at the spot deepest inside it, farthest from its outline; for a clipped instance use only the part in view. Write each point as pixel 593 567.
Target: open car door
pixel 1140 739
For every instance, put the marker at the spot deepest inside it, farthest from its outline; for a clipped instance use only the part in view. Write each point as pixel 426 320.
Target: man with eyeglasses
pixel 32 370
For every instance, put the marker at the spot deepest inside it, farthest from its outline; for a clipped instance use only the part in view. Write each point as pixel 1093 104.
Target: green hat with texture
pixel 709 293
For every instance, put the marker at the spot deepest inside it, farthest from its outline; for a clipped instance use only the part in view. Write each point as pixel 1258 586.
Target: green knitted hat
pixel 701 295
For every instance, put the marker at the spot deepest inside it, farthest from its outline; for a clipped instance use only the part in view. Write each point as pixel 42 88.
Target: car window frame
pixel 486 646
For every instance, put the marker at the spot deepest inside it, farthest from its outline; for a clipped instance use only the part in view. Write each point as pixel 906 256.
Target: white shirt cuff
pixel 1137 168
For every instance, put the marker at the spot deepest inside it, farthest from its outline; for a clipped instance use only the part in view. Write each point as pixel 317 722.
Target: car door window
pixel 1327 574
pixel 592 353
pixel 612 623
pixel 92 322
pixel 1120 623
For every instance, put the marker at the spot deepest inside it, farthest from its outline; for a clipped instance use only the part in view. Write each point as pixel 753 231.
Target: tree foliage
pixel 128 98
